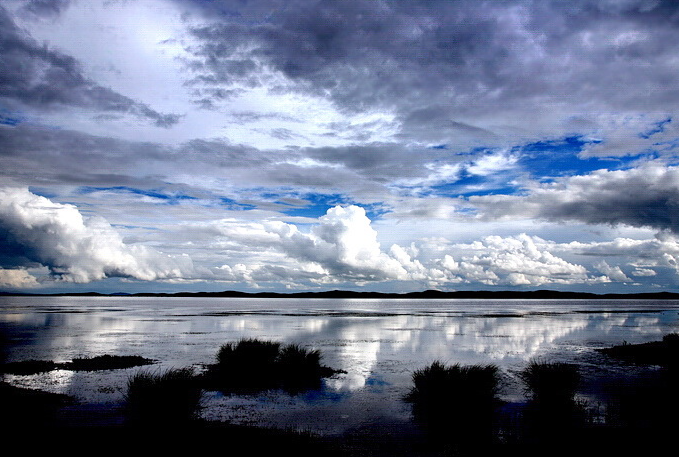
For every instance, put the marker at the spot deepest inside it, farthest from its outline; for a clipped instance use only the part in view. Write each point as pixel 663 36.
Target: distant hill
pixel 427 294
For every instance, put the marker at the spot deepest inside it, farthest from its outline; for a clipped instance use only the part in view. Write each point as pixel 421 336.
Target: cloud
pixel 449 69
pixel 46 8
pixel 17 278
pixel 342 246
pixel 646 196
pixel 643 272
pixel 33 229
pixel 516 260
pixel 645 256
pixel 614 273
pixel 37 76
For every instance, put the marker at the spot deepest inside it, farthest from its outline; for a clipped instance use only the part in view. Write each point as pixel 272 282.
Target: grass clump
pixel 551 381
pixel 442 387
pixel 552 413
pixel 456 404
pixel 252 365
pixel 162 398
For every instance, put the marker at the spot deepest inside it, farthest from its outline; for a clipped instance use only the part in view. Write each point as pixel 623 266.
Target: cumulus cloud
pixel 614 273
pixel 343 247
pixel 35 230
pixel 646 196
pixel 17 278
pixel 515 260
pixel 644 255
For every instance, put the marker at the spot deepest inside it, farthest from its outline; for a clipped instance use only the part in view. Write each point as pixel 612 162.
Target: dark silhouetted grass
pixel 552 415
pixel 27 408
pixel 664 353
pixel 456 404
pixel 162 398
pixel 550 381
pixel 650 400
pixel 101 362
pixel 252 365
pixel 28 367
pixel 105 362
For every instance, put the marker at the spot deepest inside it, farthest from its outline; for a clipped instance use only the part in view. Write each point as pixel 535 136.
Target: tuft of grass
pixel 456 404
pixel 550 381
pixel 252 365
pixel 457 384
pixel 247 351
pixel 162 398
pixel 299 368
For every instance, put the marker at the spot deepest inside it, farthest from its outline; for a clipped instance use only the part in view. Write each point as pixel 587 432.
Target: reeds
pixel 100 362
pixel 664 353
pixel 550 381
pixel 252 365
pixel 162 398
pixel 456 404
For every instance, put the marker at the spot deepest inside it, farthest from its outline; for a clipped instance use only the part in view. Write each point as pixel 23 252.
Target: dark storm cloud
pixel 35 75
pixel 647 196
pixel 438 63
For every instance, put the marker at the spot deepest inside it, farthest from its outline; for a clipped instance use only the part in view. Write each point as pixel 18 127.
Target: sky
pixel 309 145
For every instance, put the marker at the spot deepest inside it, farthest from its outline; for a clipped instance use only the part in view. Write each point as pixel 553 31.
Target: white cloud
pixel 643 272
pixel 514 260
pixel 17 278
pixel 614 273
pixel 76 249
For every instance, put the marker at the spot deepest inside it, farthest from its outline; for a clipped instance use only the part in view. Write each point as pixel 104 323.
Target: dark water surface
pixel 379 343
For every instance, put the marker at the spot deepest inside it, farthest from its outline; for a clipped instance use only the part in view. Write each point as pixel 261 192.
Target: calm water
pixel 379 343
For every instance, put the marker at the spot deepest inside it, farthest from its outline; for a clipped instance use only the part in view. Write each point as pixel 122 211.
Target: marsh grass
pixel 552 413
pixel 648 400
pixel 22 407
pixel 105 362
pixel 252 365
pixel 456 404
pixel 28 367
pixel 664 353
pixel 101 362
pixel 550 382
pixel 156 398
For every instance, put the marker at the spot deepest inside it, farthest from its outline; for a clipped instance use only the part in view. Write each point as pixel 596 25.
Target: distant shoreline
pixel 427 294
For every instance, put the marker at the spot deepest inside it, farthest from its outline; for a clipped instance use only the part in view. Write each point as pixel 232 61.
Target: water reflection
pixel 378 343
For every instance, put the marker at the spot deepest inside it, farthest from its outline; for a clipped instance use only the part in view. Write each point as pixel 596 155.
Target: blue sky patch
pixel 556 158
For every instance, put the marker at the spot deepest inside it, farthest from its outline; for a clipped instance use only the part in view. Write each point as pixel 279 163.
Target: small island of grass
pixel 100 362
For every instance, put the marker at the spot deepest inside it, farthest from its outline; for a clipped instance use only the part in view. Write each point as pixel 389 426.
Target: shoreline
pixel 427 294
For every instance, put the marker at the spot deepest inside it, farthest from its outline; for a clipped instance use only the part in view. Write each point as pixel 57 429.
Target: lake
pixel 378 343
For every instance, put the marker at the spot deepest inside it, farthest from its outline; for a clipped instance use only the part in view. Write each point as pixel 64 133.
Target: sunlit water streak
pixel 379 343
